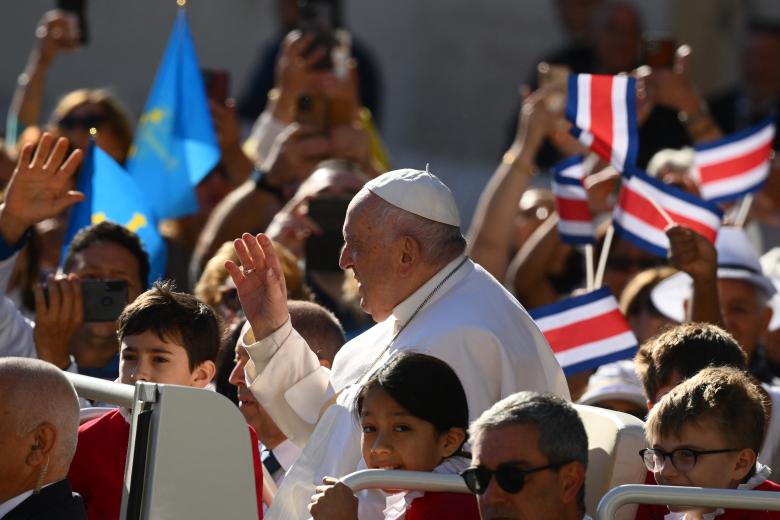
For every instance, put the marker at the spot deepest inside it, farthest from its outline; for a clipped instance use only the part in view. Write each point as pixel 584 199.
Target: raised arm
pixel 491 229
pixel 283 373
pixel 692 253
pixel 56 32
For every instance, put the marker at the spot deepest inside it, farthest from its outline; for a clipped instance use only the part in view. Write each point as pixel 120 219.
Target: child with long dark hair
pixel 414 416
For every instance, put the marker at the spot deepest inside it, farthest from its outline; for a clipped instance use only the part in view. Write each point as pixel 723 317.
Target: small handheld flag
pixel 646 205
pixel 736 165
pixel 603 112
pixel 586 331
pixel 175 145
pixel 111 194
pixel 575 222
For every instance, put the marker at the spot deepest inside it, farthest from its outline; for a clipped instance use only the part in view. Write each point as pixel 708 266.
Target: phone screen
pixel 104 300
pixel 658 51
pixel 323 250
pixel 78 8
pixel 216 83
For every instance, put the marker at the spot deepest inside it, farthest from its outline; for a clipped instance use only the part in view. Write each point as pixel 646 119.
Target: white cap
pixel 737 260
pixel 418 192
pixel 770 262
pixel 614 381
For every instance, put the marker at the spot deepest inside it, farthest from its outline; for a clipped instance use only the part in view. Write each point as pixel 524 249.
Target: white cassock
pixel 471 322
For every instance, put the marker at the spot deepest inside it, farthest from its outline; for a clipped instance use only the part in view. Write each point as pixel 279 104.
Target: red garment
pixel 649 512
pixel 444 506
pixel 97 472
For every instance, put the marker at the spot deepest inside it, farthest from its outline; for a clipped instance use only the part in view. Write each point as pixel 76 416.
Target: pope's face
pixel 368 252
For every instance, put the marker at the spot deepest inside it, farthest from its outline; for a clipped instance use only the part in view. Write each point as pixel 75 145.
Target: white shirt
pixel 16 331
pixel 9 505
pixel 472 323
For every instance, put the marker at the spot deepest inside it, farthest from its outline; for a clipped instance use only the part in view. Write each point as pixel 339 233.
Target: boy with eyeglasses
pixel 706 432
pixel 529 456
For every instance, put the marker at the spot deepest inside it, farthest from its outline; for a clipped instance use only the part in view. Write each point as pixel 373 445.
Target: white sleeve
pixel 286 378
pixel 263 136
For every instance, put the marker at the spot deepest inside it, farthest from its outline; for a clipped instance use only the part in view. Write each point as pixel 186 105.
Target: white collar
pixel 398 503
pixel 9 505
pixel 404 310
pixel 286 454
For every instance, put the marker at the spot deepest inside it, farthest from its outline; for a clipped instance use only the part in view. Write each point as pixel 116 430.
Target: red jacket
pixel 649 512
pixel 444 506
pixel 98 468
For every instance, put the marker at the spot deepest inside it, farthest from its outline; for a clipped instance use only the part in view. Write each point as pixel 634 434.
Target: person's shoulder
pixel 111 420
pixel 767 485
pixel 435 506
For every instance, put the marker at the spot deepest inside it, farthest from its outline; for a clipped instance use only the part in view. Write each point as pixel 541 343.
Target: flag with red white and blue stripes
pixel 602 110
pixel 575 222
pixel 735 165
pixel 637 217
pixel 586 331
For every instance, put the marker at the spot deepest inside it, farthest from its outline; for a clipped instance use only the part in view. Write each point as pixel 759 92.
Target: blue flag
pixel 175 145
pixel 111 194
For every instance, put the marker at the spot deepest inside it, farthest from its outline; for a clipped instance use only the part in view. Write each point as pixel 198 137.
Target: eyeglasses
pixel 84 122
pixel 683 459
pixel 509 477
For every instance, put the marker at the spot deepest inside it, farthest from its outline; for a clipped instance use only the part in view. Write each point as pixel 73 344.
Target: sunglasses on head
pixel 509 477
pixel 83 122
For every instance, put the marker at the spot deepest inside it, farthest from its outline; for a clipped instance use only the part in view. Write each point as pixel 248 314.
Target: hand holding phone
pixel 658 51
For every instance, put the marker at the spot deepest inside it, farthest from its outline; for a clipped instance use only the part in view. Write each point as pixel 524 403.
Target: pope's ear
pixel 410 253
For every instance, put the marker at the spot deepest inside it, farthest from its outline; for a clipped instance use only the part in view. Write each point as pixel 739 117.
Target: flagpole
pixel 744 210
pixel 589 267
pixel 599 281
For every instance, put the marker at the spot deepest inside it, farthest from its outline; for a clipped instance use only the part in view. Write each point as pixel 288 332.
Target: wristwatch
pixel 260 179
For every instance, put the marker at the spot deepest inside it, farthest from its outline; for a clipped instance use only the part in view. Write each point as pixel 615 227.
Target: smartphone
pixel 79 9
pixel 312 111
pixel 320 18
pixel 104 300
pixel 658 50
pixel 323 251
pixel 217 83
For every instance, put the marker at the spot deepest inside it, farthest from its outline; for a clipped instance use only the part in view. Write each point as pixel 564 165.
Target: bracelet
pixel 691 119
pixel 260 178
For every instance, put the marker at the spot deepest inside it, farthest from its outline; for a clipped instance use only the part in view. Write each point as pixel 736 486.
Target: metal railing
pixel 685 496
pixel 398 479
pixel 102 390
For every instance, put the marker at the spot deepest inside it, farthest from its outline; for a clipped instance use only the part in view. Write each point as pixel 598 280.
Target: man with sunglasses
pixel 529 456
pixel 707 432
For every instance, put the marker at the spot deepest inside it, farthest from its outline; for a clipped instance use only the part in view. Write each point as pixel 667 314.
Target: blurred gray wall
pixel 451 68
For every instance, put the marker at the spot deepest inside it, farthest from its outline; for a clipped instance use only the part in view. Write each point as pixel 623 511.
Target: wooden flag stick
pixel 599 280
pixel 744 210
pixel 589 267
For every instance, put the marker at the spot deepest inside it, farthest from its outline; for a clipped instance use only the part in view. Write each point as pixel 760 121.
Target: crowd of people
pixel 344 309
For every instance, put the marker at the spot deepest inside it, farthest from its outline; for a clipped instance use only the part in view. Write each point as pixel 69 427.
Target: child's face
pixel 716 470
pixel 146 357
pixel 394 439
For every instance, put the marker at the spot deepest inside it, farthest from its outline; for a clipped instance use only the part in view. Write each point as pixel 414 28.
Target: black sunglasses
pixel 83 123
pixel 509 477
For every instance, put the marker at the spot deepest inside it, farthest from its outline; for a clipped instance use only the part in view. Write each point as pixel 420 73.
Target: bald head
pixel 39 418
pixel 319 327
